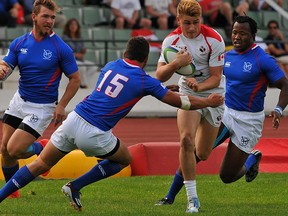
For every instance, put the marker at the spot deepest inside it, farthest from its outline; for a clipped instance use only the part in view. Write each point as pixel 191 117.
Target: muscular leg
pixel 232 167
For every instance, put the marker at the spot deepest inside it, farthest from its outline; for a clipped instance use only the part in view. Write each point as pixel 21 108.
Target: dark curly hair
pixel 250 21
pixel 137 49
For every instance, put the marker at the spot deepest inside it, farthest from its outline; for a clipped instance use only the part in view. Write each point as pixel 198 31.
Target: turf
pixel 267 195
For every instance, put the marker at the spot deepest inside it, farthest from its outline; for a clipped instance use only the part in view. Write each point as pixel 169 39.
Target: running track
pixel 138 130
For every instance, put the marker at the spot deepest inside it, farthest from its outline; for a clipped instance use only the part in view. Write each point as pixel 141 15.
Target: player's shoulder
pixel 59 42
pixel 173 37
pixel 22 37
pixel 209 32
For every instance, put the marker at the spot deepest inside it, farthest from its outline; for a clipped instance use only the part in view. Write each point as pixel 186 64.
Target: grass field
pixel 267 195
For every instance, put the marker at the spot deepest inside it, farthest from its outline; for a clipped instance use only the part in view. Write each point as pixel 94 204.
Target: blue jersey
pixel 41 64
pixel 120 86
pixel 247 77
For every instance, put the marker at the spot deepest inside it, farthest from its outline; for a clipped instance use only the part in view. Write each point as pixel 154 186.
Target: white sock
pixel 190 186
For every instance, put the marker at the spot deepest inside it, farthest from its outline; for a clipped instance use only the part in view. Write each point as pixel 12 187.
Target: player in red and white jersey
pixel 204 47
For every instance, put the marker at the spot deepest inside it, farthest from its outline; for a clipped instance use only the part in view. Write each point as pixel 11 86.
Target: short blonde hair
pixel 189 8
pixel 50 4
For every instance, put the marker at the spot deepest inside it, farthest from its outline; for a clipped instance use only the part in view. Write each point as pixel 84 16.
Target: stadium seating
pixel 270 15
pixel 73 12
pixel 92 16
pixel 120 37
pixel 102 35
pixel 257 17
pixel 152 61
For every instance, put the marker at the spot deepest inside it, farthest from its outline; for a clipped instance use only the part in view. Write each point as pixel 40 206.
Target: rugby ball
pixel 170 54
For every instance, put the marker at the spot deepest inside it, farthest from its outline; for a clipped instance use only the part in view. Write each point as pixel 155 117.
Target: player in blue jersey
pixel 41 57
pixel 121 84
pixel 248 70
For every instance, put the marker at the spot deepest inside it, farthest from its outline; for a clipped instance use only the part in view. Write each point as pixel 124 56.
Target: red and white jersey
pixel 207 50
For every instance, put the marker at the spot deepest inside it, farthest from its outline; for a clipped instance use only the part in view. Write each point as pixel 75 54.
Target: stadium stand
pixel 100 37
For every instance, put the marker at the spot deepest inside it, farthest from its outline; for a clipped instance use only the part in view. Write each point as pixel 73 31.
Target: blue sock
pixel 102 170
pixel 176 186
pixel 8 172
pixel 19 180
pixel 35 148
pixel 251 160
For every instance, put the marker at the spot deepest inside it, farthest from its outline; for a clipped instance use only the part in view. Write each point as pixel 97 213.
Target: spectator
pixel 162 13
pixel 104 3
pixel 72 36
pixel 276 45
pixel 257 5
pixel 27 7
pixel 217 13
pixel 9 13
pixel 254 5
pixel 242 8
pixel 126 13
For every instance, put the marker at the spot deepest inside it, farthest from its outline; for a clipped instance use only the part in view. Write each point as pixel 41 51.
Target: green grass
pixel 267 195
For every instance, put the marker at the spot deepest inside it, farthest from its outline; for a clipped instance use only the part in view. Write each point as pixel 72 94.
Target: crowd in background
pixel 148 15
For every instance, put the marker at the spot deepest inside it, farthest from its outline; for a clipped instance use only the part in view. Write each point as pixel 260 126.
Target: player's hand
pixel 192 83
pixel 275 119
pixel 183 58
pixel 215 100
pixel 59 115
pixel 4 69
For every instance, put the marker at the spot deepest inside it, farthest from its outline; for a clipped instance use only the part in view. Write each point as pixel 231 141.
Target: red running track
pixel 139 130
pixel 160 130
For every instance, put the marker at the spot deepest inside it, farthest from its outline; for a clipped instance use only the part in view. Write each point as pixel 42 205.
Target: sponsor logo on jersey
pixel 23 51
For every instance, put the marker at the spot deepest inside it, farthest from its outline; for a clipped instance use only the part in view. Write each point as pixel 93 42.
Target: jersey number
pixel 115 87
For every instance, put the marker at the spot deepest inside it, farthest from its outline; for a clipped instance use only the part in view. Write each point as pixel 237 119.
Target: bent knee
pixel 187 144
pixel 15 153
pixel 226 178
pixel 203 156
pixel 127 161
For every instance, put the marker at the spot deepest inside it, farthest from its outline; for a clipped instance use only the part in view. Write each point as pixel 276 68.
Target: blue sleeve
pixel 271 68
pixel 68 62
pixel 155 88
pixel 11 57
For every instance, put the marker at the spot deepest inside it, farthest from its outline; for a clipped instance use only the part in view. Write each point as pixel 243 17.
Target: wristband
pixel 185 102
pixel 279 110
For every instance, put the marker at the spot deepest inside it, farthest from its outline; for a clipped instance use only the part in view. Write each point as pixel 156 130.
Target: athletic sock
pixel 251 160
pixel 222 136
pixel 35 148
pixel 102 170
pixel 190 189
pixel 175 187
pixel 8 172
pixel 19 180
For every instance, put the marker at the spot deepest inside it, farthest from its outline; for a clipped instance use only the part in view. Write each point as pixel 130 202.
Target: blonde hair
pixel 50 4
pixel 189 8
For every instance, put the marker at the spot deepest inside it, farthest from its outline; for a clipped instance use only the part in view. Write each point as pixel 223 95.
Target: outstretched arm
pixel 191 102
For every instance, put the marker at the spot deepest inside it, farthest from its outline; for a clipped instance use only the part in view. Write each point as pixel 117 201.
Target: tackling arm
pixel 191 102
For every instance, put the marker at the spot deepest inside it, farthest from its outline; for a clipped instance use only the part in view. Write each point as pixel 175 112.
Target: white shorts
pixel 212 115
pixel 37 116
pixel 245 127
pixel 77 133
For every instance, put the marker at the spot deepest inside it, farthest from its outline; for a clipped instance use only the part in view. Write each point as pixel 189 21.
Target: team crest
pixel 33 119
pixel 244 141
pixel 247 67
pixel 47 54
